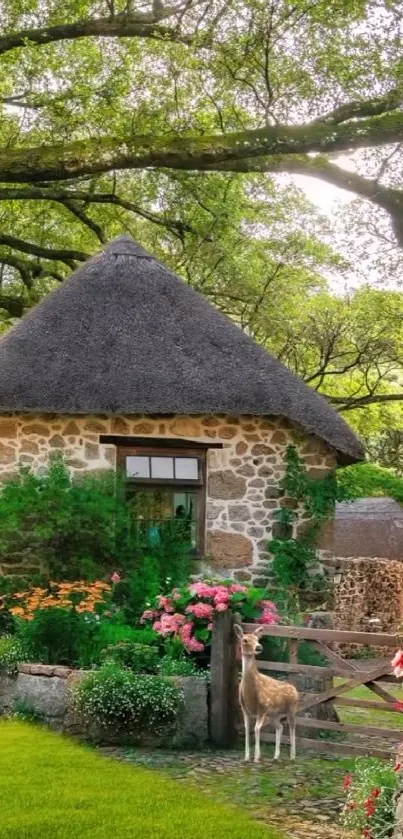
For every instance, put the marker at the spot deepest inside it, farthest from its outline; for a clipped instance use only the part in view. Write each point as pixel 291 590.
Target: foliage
pixel 295 556
pixel 60 636
pixel 68 527
pixel 83 529
pixel 152 575
pixel 115 698
pixel 370 793
pixel 182 666
pixel 367 479
pixel 59 788
pixel 140 658
pixel 11 654
pixel 187 614
pixel 96 153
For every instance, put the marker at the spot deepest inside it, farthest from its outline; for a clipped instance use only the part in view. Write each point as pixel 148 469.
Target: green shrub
pixel 61 636
pixel 179 667
pixel 115 698
pixel 82 528
pixel 140 658
pixel 69 526
pixel 11 653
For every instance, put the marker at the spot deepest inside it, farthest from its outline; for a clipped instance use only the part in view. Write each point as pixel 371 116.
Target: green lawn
pixel 53 788
pixel 370 716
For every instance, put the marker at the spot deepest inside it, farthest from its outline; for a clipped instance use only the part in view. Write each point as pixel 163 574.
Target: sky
pixel 377 264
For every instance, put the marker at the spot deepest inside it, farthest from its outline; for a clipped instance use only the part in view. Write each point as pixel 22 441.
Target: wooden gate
pixel 225 677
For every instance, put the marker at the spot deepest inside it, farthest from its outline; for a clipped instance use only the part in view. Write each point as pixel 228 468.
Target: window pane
pixel 186 468
pixel 162 467
pixel 138 467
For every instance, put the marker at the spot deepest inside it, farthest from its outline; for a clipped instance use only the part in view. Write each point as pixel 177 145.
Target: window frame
pixel 149 484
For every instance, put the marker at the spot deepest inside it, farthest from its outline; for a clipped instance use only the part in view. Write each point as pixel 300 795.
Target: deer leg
pixel 258 727
pixel 292 727
pixel 279 731
pixel 246 721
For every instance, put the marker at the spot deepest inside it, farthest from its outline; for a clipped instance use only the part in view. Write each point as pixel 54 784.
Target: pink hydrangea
pixel 149 615
pixel 165 603
pixel 170 624
pixel 194 646
pixel 202 589
pixel 200 610
pixel 236 588
pixel 221 607
pixel 222 595
pixel 269 615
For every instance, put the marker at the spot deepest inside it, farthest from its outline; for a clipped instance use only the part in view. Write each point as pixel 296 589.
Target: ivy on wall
pixel 306 505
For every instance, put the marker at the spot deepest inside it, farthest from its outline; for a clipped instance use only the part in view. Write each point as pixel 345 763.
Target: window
pixel 167 490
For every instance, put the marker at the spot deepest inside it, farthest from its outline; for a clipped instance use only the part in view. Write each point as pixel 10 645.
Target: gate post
pixel 224 681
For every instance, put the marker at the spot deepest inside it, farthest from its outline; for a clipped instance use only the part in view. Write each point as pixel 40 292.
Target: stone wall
pixel 243 476
pixel 45 690
pixel 369 596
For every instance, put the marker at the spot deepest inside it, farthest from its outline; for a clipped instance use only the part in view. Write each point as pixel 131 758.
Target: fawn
pixel 264 699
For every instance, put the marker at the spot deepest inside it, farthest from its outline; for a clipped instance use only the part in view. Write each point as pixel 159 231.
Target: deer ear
pixel 238 630
pixel 258 631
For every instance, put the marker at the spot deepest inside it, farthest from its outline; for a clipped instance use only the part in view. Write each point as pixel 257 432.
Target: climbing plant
pixel 306 505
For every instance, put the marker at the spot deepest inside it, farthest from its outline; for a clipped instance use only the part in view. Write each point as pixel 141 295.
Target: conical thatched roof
pixel 124 335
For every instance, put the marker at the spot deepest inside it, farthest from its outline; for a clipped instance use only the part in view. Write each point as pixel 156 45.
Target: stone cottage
pixel 126 367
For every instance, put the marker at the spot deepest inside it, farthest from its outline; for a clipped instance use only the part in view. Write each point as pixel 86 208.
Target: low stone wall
pixel 46 690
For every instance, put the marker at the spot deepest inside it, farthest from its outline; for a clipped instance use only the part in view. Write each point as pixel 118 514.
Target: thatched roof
pixel 125 335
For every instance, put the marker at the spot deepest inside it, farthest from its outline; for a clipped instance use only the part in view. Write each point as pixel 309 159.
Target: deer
pixel 264 699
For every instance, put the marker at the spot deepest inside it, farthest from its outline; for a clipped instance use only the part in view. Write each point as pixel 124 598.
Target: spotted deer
pixel 264 699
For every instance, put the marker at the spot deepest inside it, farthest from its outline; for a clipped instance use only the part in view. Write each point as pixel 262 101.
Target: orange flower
pixel 17 611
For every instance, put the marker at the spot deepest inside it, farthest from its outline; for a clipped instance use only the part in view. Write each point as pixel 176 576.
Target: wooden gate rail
pixel 224 678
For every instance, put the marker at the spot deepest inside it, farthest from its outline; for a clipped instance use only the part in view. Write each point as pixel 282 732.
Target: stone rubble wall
pixel 369 596
pixel 243 477
pixel 46 689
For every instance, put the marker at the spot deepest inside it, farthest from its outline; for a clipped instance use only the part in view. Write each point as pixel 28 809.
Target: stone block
pixel 229 550
pixel 8 429
pixel 185 427
pixel 7 454
pixel 226 485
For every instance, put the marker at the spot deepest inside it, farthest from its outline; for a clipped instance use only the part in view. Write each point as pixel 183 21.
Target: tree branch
pixel 12 305
pixel 45 193
pixel 69 257
pixel 321 167
pixel 226 152
pixel 349 404
pixel 363 108
pixel 86 220
pixel 125 26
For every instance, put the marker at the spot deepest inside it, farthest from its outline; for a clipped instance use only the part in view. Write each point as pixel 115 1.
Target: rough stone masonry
pixel 242 492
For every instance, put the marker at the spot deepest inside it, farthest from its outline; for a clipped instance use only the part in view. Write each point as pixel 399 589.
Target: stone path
pixel 285 795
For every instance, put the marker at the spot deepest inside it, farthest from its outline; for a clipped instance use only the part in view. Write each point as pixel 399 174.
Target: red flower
pixel 398 706
pixel 348 780
pixel 397 767
pixel 367 833
pixel 376 792
pixel 369 807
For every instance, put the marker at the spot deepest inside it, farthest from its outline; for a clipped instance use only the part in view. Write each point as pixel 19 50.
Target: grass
pixel 53 788
pixel 370 716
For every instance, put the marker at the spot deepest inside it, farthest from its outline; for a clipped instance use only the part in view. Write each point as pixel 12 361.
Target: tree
pixel 173 122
